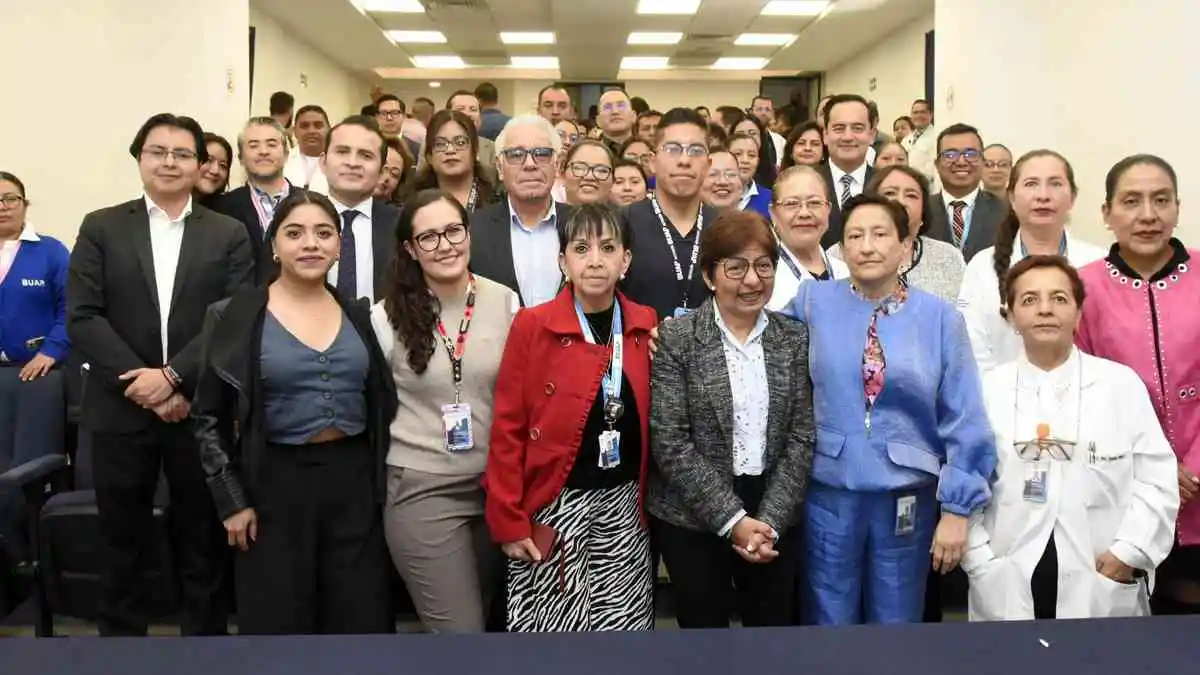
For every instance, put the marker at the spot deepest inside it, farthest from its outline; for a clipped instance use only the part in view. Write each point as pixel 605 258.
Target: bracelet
pixel 172 376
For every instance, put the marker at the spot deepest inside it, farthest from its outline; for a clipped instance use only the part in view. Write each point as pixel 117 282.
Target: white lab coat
pixel 1125 500
pixel 993 339
pixel 787 284
pixel 298 168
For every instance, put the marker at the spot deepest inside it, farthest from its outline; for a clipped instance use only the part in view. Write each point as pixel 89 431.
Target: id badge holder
pixel 681 312
pixel 457 428
pixel 610 449
pixel 1036 474
pixel 906 515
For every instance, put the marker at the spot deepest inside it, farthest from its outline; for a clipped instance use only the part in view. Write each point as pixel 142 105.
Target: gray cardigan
pixel 691 425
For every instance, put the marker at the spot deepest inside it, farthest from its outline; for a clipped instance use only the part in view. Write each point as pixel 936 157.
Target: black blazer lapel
pixel 985 220
pixel 384 220
pixel 501 221
pixel 143 248
pixel 715 375
pixel 935 214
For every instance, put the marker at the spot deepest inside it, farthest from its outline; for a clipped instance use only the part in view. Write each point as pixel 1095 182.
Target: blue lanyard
pixel 1062 246
pixel 612 381
pixel 800 275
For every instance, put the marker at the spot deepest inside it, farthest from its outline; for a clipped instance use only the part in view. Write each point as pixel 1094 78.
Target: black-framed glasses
pixel 582 169
pixel 161 154
pixel 951 156
pixel 572 138
pixel 430 240
pixel 643 158
pixel 997 164
pixel 516 156
pixel 391 114
pixel 736 268
pixel 695 150
pixel 794 203
pixel 1054 448
pixel 442 144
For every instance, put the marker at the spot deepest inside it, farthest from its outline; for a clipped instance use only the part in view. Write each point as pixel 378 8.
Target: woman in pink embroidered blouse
pixel 1143 310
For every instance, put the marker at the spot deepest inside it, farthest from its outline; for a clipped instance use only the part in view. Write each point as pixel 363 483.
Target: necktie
pixel 958 224
pixel 347 281
pixel 847 181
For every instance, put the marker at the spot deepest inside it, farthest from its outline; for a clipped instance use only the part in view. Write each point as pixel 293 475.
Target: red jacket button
pixel 535 434
pixel 549 388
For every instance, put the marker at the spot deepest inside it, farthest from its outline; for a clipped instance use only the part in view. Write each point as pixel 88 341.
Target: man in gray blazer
pixel 962 213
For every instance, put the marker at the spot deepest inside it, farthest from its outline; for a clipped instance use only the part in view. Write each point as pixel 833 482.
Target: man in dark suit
pixel 141 277
pixel 353 164
pixel 963 214
pixel 263 152
pixel 850 124
pixel 515 242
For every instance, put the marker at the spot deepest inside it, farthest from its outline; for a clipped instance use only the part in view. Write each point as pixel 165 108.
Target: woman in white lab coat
pixel 1085 494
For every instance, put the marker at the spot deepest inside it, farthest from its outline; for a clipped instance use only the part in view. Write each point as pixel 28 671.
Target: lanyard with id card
pixel 610 387
pixel 685 281
pixel 457 426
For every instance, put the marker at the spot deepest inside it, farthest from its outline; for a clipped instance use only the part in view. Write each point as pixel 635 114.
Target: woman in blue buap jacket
pixel 904 450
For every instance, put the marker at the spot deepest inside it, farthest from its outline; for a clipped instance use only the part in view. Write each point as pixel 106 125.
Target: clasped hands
pixel 150 389
pixel 754 540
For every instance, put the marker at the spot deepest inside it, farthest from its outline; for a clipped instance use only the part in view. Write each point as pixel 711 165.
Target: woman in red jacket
pixel 567 463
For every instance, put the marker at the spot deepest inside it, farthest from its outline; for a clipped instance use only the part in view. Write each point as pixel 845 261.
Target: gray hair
pixel 536 121
pixel 262 122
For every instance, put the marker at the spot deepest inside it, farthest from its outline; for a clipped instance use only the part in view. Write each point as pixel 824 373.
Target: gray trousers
pixel 440 545
pixel 32 422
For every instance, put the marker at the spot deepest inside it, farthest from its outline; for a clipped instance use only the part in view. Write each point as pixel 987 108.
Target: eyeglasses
pixel 430 240
pixel 676 149
pixel 12 201
pixel 727 174
pixel 997 164
pixel 1053 447
pixel 161 154
pixel 951 156
pixel 516 156
pixel 391 114
pixel 736 268
pixel 619 105
pixel 582 169
pixel 441 144
pixel 568 137
pixel 794 204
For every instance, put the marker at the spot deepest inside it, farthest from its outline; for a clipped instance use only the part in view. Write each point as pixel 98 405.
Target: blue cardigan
pixel 33 300
pixel 929 423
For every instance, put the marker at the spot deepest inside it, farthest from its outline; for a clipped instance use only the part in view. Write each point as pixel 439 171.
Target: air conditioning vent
pixel 473 5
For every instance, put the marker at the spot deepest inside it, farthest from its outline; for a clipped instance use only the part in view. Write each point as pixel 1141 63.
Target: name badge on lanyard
pixel 610 387
pixel 786 257
pixel 458 430
pixel 680 279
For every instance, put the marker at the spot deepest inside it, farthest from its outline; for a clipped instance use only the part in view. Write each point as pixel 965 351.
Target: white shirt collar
pixel 153 209
pixel 28 233
pixel 363 207
pixel 749 193
pixel 859 175
pixel 760 326
pixel 968 199
pixel 1064 377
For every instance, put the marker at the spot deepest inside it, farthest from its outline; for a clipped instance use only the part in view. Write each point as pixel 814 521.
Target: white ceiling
pixel 590 36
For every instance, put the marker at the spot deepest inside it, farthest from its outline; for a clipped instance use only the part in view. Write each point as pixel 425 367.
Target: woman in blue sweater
pixel 904 451
pixel 33 298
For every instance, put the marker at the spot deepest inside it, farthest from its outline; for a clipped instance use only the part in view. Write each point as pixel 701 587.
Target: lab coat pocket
pixel 1115 599
pixel 1109 477
pixel 990 587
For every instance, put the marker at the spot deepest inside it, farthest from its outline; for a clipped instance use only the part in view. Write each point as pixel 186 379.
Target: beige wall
pixel 81 77
pixel 896 63
pixel 1115 88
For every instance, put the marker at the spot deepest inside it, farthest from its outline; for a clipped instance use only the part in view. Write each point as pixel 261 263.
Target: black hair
pixel 997 145
pixel 702 107
pixel 650 113
pixel 551 87
pixel 788 160
pixel 718 137
pixel 1114 174
pixel 591 143
pixel 588 221
pixel 295 199
pixel 486 92
pixel 312 108
pixel 621 162
pixel 281 102
pixel 426 178
pixel 903 118
pixel 927 103
pixel 895 211
pixel 1033 262
pixel 881 175
pixel 427 101
pixel 365 122
pixel 760 97
pixel 411 308
pixel 460 92
pixel 639 105
pixel 369 110
pixel 839 99
pixel 958 129
pixel 678 116
pixel 764 173
pixel 729 115
pixel 170 120
pixel 220 140
pixel 4 175
pixel 390 97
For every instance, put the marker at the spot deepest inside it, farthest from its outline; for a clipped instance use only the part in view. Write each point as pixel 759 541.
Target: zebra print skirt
pixel 598 577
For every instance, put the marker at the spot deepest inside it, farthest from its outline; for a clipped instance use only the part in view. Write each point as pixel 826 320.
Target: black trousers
pixel 126 469
pixel 709 579
pixel 1044 583
pixel 1182 565
pixel 320 562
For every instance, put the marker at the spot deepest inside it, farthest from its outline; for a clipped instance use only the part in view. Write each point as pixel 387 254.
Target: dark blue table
pixel 1151 646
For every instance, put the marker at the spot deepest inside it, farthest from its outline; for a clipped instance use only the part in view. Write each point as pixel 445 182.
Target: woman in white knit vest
pixel 443 330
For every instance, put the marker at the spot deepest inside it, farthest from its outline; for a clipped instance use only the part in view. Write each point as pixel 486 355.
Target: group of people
pixel 810 402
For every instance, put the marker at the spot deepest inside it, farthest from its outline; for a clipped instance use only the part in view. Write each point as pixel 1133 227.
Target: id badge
pixel 681 312
pixel 610 449
pixel 906 515
pixel 457 429
pixel 1036 474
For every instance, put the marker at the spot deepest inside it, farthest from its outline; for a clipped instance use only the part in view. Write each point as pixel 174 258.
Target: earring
pixel 275 258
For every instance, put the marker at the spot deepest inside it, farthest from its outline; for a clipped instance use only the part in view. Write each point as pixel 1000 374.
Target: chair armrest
pixel 40 470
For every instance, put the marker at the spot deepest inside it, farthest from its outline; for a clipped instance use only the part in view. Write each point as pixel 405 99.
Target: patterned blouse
pixel 747 368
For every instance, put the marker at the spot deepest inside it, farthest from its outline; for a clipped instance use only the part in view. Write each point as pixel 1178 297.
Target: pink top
pixel 1152 327
pixel 8 253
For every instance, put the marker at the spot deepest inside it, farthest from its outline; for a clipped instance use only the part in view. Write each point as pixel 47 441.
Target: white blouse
pixel 747 368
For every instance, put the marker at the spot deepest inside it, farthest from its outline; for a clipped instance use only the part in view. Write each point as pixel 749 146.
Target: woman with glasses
pixel 451 161
pixel 569 133
pixel 997 165
pixel 805 146
pixel 904 452
pixel 629 183
pixel 568 456
pixel 587 173
pixel 800 214
pixel 214 173
pixel 1085 496
pixel 732 438
pixel 722 188
pixel 442 331
pixel 754 197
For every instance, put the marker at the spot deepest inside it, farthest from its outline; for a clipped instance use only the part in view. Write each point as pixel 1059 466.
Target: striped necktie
pixel 958 223
pixel 847 181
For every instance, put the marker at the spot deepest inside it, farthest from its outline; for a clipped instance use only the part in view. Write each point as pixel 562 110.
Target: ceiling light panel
pixel 654 38
pixel 527 38
pixel 644 62
pixel 795 7
pixel 412 37
pixel 668 6
pixel 425 61
pixel 764 39
pixel 391 6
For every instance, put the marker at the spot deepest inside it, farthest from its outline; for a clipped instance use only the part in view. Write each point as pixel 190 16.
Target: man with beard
pixel 303 168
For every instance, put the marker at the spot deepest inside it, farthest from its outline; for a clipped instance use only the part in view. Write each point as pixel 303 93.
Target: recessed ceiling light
pixel 527 38
pixel 429 37
pixel 739 63
pixel 654 38
pixel 644 62
pixel 397 6
pixel 423 61
pixel 763 39
pixel 795 7
pixel 668 6
pixel 434 85
pixel 534 62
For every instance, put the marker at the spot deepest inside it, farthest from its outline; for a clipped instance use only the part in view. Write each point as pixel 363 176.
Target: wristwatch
pixel 172 376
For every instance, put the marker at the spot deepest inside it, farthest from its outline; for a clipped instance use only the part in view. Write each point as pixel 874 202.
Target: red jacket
pixel 549 377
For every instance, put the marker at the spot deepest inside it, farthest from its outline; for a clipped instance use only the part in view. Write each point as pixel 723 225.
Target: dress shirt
pixel 747 195
pixel 858 182
pixel 363 246
pixel 535 256
pixel 968 212
pixel 266 203
pixel 921 145
pixel 303 171
pixel 166 240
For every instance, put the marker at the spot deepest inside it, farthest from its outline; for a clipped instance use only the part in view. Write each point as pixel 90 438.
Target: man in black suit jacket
pixel 963 214
pixel 141 277
pixel 850 124
pixel 353 163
